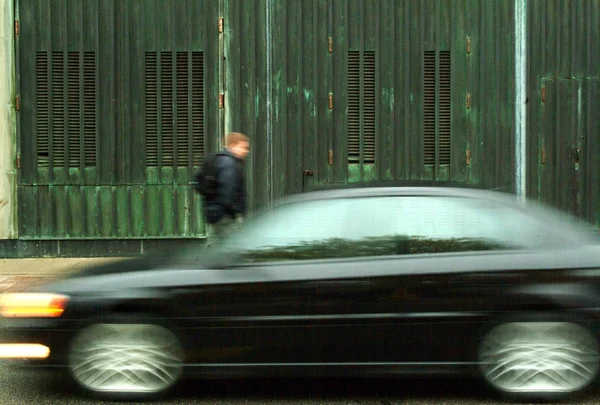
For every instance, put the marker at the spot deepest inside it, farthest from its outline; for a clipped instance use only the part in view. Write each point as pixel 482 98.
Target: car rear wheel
pixel 539 360
pixel 125 360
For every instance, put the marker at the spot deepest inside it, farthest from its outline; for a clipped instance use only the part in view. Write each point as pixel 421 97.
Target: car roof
pixel 378 189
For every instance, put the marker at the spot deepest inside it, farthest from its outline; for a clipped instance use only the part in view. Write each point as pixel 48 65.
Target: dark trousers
pixel 222 229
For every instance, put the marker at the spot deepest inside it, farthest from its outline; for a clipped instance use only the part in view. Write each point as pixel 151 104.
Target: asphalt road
pixel 24 387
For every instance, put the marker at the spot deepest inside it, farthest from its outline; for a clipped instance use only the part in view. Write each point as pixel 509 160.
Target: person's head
pixel 238 144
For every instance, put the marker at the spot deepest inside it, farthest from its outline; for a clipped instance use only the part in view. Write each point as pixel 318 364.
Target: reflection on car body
pixel 358 281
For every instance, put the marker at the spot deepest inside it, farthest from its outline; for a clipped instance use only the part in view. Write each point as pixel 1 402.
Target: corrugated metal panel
pixel 349 85
pixel 246 89
pixel 564 120
pixel 115 116
pixel 490 83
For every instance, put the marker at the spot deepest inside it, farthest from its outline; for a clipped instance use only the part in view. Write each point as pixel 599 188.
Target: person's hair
pixel 233 138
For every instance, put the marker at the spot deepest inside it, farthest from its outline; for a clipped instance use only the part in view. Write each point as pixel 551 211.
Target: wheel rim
pixel 539 357
pixel 125 358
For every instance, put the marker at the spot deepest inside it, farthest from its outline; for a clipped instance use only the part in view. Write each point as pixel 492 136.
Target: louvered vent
pixel 181 125
pixel 89 108
pixel 429 108
pixel 197 107
pixel 41 107
pixel 443 97
pixel 361 107
pixel 58 109
pixel 444 106
pixel 74 109
pixel 353 107
pixel 166 108
pixel 68 128
pixel 151 110
pixel 183 110
pixel 369 108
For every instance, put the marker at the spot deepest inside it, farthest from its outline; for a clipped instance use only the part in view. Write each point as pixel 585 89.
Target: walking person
pixel 225 203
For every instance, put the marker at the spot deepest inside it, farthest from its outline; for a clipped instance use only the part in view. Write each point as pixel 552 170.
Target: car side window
pixel 423 224
pixel 293 232
pixel 381 226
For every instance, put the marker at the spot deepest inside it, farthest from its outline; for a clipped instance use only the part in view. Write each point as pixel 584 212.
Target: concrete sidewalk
pixel 18 275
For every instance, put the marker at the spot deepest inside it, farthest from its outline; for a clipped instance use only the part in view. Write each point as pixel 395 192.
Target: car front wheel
pixel 539 360
pixel 125 360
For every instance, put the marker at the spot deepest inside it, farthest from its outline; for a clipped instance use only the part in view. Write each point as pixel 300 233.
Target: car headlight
pixel 32 305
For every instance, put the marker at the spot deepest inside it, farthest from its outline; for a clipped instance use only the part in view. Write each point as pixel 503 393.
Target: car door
pixel 300 288
pixel 460 254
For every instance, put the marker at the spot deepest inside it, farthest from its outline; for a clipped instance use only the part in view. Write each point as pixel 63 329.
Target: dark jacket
pixel 230 199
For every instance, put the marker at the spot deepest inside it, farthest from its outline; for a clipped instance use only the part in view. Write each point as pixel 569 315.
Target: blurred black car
pixel 370 281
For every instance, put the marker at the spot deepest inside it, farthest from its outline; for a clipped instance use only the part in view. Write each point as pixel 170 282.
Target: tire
pixel 536 360
pixel 125 359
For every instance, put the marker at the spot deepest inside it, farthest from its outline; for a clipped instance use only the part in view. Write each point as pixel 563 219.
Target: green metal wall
pixel 564 120
pixel 120 100
pixel 117 110
pixel 409 90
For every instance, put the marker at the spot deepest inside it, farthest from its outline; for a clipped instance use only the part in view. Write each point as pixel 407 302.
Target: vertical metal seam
pixel 572 39
pixel 221 120
pixel 82 180
pixel 480 141
pixel 299 145
pixel 499 67
pixel 452 55
pixel 329 114
pixel 361 88
pixel 436 131
pixel 520 97
pixel 557 135
pixel 588 69
pixel 589 151
pixel 269 96
pixel 422 81
pixel 13 215
pixel 407 105
pixel 377 88
pixel 468 79
pixel 393 142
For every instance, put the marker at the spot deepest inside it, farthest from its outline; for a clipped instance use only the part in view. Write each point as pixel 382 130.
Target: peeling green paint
pixel 257 104
pixel 387 97
pixel 308 95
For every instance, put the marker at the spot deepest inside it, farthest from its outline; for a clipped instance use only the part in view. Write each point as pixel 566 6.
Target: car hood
pixel 150 270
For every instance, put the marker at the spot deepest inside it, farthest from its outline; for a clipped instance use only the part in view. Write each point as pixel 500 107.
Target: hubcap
pixel 539 357
pixel 125 358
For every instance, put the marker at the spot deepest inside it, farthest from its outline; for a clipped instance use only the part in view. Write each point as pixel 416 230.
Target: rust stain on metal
pixel 468 101
pixel 221 100
pixel 330 45
pixel 543 94
pixel 221 23
pixel 18 103
pixel 331 101
pixel 330 157
pixel 543 155
pixel 468 159
pixel 17 27
pixel 468 44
